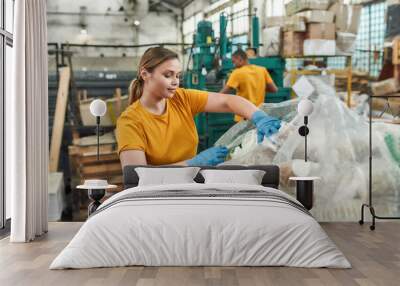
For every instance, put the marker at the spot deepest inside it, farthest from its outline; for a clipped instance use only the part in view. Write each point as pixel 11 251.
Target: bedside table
pixel 96 190
pixel 305 190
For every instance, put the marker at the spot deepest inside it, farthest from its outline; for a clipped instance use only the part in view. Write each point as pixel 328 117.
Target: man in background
pixel 249 81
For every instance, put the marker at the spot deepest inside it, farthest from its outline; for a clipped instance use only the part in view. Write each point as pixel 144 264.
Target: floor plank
pixel 374 255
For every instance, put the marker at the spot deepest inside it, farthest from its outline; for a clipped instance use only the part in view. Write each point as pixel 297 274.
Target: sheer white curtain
pixel 27 123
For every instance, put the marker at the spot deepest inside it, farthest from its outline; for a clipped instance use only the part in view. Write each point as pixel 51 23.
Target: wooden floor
pixel 374 255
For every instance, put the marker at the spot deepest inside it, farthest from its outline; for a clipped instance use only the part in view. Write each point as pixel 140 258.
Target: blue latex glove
pixel 210 157
pixel 266 125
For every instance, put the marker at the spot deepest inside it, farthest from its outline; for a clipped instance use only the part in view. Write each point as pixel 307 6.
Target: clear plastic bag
pixel 338 150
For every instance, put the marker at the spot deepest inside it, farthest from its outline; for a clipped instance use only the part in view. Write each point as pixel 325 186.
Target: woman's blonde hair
pixel 151 58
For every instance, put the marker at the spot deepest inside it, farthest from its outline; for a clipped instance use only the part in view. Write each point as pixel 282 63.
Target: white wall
pixel 195 7
pixel 116 28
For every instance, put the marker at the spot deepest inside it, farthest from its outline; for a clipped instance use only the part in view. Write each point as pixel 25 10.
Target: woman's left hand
pixel 266 125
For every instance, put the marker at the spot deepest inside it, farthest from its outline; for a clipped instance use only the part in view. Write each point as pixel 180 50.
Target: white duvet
pixel 203 231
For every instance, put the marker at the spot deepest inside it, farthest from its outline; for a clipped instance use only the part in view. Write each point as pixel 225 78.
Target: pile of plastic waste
pixel 338 148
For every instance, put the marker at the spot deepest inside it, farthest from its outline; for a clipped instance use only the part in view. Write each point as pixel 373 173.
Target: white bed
pixel 221 225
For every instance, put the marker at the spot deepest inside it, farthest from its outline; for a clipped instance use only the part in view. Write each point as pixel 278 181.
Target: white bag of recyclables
pixel 337 151
pixel 272 41
pixel 303 88
pixel 317 16
pixel 275 21
pixel 347 17
pixel 319 47
pixel 345 43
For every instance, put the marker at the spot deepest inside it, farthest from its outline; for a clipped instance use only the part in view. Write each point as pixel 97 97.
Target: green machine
pixel 211 66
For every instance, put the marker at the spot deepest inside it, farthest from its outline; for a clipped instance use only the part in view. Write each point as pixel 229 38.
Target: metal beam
pixel 6 34
pixel 105 14
pixel 2 118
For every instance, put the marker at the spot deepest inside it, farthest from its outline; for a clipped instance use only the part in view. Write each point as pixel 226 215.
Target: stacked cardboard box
pixel 315 27
pixel 317 16
pixel 295 6
pixel 321 31
pixel 293 43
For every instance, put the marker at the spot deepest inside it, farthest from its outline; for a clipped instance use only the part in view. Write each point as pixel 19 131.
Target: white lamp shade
pixel 98 107
pixel 305 107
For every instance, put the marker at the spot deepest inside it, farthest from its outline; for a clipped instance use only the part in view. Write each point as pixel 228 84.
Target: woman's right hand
pixel 266 125
pixel 209 157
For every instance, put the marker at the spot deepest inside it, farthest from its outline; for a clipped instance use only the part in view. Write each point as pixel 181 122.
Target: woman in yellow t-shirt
pixel 158 127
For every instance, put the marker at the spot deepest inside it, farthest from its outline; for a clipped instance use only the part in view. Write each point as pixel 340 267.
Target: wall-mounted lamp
pixel 98 108
pixel 305 108
pixel 305 185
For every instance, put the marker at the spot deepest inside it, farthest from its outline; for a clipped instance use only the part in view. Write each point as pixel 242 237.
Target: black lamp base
pixel 95 195
pixel 305 193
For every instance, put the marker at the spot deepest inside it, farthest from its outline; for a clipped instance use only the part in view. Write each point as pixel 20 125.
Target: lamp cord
pixel 98 136
pixel 305 151
pixel 305 138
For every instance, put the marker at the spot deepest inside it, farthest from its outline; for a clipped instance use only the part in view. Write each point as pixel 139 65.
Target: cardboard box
pixel 275 21
pixel 396 51
pixel 319 47
pixel 317 16
pixel 295 24
pixel 347 17
pixel 322 31
pixel 293 44
pixel 294 6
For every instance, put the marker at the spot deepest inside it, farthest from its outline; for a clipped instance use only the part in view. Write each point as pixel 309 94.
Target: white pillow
pixel 249 177
pixel 164 176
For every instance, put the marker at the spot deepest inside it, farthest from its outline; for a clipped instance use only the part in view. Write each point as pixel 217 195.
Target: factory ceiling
pixel 177 3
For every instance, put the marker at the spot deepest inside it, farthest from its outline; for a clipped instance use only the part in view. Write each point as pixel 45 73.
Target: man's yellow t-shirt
pixel 250 82
pixel 167 138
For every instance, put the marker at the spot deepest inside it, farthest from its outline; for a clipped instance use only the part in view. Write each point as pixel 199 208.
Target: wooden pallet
pixel 86 166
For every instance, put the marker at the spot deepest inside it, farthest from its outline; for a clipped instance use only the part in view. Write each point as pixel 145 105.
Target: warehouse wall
pixel 195 7
pixel 102 23
pixel 193 13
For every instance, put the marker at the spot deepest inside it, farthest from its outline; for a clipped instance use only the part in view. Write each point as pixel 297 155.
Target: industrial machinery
pixel 211 66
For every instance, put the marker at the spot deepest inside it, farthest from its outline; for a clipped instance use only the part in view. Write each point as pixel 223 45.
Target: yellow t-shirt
pixel 167 138
pixel 250 82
